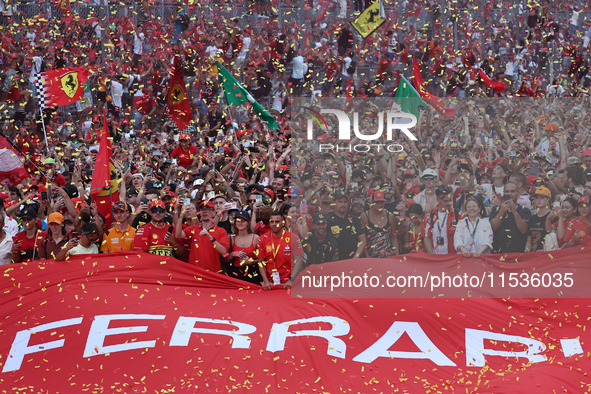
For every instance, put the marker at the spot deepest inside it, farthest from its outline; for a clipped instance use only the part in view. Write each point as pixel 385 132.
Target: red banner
pixel 134 322
pixel 498 86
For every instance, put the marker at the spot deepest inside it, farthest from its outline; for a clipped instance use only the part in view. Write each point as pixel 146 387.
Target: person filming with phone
pixel 156 237
pixel 208 242
pixel 86 244
pixel 509 222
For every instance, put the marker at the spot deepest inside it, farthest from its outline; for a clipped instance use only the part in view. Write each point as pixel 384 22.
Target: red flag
pixel 103 187
pixel 498 86
pixel 435 102
pixel 62 86
pixel 64 6
pixel 12 169
pixel 179 107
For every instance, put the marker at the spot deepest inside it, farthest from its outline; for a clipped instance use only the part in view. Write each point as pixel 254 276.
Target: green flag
pixel 408 98
pixel 236 94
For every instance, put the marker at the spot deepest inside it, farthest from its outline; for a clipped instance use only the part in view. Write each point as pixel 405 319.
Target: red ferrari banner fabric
pixel 131 322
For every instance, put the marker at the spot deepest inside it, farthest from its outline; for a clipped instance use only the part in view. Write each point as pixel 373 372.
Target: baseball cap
pixel 544 191
pixel 49 160
pixel 587 152
pixel 429 172
pixel 587 172
pixel 319 217
pixel 207 204
pixel 132 191
pixel 378 195
pixel 583 200
pixel 157 204
pixel 340 194
pixel 551 126
pixel 28 212
pixel 357 174
pixel 55 217
pixel 294 192
pixel 184 136
pixel 270 192
pixel 120 206
pixel 125 121
pixel 198 182
pixel 243 215
pixel 573 160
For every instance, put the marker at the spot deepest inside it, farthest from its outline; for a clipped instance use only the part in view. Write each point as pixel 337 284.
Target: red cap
pixel 96 119
pixel 125 121
pixel 157 204
pixel 583 200
pixel 531 179
pixel 207 204
pixel 270 192
pixel 378 195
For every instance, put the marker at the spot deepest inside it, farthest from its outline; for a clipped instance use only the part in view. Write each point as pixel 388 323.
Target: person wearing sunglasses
pixel 209 243
pixel 185 153
pixel 427 199
pixel 85 245
pixel 157 237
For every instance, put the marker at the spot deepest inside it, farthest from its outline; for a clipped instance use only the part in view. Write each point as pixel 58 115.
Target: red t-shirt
pixel 150 238
pixel 30 246
pixel 203 253
pixel 58 180
pixel 577 225
pixel 185 158
pixel 276 253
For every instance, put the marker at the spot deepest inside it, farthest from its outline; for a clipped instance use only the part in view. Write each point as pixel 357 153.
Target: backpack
pixel 184 22
pixel 351 68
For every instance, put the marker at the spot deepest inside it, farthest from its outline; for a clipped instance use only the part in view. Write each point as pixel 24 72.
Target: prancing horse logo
pixel 70 84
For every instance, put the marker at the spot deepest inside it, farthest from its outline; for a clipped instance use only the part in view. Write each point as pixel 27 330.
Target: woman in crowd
pixel 578 231
pixel 243 244
pixel 566 213
pixel 539 224
pixel 474 235
pixel 5 243
pixel 56 238
pixel 381 228
pixel 414 242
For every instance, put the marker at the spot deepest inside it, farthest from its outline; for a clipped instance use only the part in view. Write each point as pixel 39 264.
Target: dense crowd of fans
pixel 510 174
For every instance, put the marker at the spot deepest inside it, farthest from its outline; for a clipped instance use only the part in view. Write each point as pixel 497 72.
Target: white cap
pixel 428 172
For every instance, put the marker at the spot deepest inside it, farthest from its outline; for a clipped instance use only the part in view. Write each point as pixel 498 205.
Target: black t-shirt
pixel 319 252
pixel 537 230
pixel 507 238
pixel 213 118
pixel 346 231
pixel 226 225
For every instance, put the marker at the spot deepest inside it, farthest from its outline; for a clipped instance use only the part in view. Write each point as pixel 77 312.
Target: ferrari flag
pixel 179 107
pixel 369 20
pixel 61 86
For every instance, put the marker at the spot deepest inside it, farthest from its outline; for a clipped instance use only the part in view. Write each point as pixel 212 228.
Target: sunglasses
pixel 158 185
pixel 157 210
pixel 131 195
pixel 91 239
pixel 429 177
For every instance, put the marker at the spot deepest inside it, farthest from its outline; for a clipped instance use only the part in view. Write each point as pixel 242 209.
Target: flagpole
pixel 43 124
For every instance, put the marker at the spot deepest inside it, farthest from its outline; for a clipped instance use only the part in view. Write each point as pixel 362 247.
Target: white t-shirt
pixel 6 249
pixel 10 226
pixel 574 19
pixel 278 100
pixel 298 67
pixel 138 43
pixel 556 91
pixel 79 249
pixel 245 48
pixel 117 91
pixel 35 68
pixel 346 63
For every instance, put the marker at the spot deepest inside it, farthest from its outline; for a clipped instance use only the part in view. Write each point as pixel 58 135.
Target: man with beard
pixel 347 229
pixel 320 247
pixel 208 242
pixel 275 249
pixel 156 237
